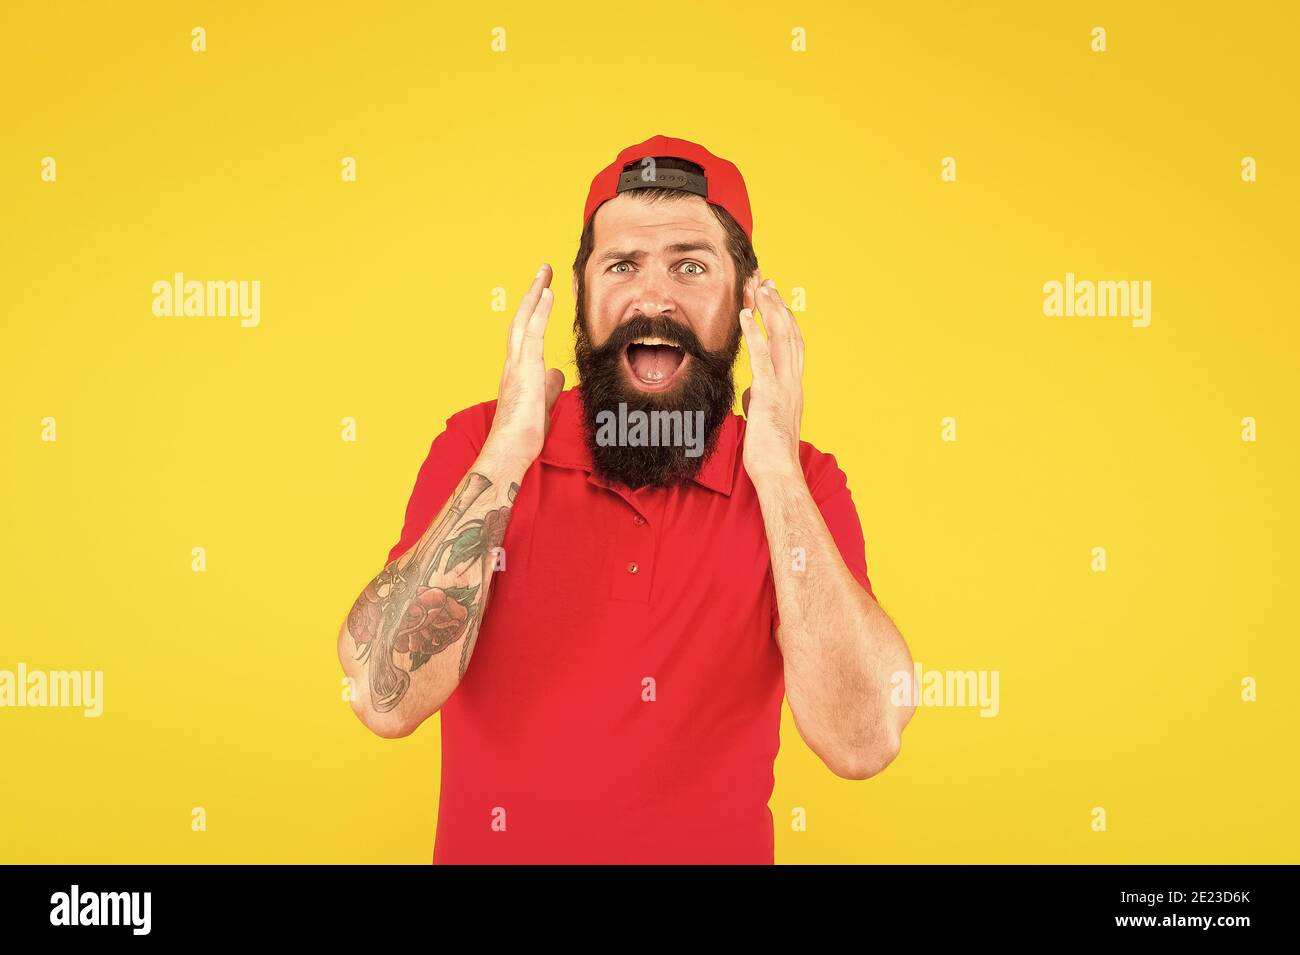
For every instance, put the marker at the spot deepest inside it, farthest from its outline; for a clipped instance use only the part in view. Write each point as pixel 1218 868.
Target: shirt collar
pixel 566 445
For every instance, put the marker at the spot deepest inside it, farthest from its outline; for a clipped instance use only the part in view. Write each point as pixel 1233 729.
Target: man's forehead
pixel 656 225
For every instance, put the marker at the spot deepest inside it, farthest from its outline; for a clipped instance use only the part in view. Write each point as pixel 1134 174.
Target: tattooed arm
pixel 410 634
pixel 408 639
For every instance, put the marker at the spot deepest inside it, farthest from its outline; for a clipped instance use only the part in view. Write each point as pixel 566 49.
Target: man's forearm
pixel 408 639
pixel 840 649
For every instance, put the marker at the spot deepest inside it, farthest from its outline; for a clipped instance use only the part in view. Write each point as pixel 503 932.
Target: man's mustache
pixel 658 326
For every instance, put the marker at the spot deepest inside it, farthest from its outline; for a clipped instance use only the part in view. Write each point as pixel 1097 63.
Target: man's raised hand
pixel 528 391
pixel 774 411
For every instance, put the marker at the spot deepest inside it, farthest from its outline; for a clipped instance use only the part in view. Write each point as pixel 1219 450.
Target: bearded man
pixel 655 591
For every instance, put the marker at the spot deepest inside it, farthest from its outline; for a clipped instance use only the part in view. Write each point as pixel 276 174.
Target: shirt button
pixel 632 567
pixel 638 520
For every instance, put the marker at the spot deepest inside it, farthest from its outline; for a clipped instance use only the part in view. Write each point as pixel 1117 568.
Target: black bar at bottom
pixel 433 905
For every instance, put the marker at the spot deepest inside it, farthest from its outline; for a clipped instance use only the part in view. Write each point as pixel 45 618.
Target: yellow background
pixel 222 689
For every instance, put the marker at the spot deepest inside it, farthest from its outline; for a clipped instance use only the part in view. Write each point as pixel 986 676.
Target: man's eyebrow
pixel 699 245
pixel 636 255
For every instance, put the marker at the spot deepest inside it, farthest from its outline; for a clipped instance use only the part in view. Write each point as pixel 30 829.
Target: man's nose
pixel 652 295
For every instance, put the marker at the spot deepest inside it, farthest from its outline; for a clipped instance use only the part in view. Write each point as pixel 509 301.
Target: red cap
pixel 721 184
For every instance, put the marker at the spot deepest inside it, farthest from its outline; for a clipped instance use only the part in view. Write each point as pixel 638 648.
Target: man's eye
pixel 696 265
pixel 615 266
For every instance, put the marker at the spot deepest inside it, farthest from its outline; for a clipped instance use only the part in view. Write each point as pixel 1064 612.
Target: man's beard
pixel 706 386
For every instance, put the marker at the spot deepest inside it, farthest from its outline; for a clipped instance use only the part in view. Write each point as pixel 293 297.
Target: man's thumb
pixel 554 385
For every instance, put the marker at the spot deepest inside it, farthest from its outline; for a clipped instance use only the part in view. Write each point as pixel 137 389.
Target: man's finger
pixel 535 329
pixel 751 286
pixel 780 332
pixel 797 334
pixel 760 362
pixel 778 335
pixel 526 308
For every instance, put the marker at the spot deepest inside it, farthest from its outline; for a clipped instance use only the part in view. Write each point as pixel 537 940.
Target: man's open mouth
pixel 653 363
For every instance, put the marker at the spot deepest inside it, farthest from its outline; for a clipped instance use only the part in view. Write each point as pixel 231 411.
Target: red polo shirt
pixel 623 703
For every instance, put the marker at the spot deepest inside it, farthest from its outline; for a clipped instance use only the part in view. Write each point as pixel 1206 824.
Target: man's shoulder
pixel 477 419
pixel 821 470
pixel 474 421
